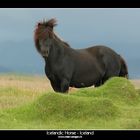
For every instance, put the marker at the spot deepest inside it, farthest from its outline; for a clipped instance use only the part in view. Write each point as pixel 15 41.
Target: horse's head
pixel 43 36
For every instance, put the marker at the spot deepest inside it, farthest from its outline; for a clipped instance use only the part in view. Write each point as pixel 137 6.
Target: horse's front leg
pixel 55 83
pixel 56 86
pixel 64 85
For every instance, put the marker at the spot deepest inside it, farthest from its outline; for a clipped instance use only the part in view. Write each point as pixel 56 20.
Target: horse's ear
pixel 38 24
pixel 51 23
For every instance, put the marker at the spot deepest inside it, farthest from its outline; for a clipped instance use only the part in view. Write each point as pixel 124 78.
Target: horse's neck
pixel 56 52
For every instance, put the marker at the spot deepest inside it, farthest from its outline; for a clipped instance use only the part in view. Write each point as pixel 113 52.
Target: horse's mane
pixel 44 30
pixel 65 44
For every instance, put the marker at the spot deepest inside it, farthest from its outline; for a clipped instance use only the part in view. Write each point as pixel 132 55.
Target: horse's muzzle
pixel 45 53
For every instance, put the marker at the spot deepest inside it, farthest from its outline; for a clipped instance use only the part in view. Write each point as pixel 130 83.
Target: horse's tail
pixel 124 68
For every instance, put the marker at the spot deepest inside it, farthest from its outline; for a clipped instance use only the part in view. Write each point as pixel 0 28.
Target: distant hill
pixel 4 69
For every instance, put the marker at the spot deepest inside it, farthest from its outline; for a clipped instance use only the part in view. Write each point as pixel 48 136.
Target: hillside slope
pixel 115 105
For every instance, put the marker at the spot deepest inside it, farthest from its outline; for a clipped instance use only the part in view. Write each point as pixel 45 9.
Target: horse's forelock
pixel 45 27
pixel 43 31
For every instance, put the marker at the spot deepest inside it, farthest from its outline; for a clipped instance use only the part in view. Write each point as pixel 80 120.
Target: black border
pixel 103 134
pixel 69 4
pixel 132 134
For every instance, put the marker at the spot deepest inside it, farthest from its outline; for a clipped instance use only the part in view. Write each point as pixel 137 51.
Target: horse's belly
pixel 80 85
pixel 84 81
pixel 86 73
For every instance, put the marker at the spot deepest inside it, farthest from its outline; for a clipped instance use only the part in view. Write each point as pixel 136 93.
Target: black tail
pixel 124 68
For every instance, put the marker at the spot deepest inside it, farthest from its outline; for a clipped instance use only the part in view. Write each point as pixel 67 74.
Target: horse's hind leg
pixel 98 83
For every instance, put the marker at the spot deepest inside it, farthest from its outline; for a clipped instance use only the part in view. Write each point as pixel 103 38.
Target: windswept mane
pixel 44 30
pixel 60 40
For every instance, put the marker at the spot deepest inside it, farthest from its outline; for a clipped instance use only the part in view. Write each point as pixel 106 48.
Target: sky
pixel 117 28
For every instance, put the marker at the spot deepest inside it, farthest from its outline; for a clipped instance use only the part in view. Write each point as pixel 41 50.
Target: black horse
pixel 67 67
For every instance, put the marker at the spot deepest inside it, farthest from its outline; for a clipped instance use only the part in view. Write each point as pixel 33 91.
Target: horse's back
pixel 109 58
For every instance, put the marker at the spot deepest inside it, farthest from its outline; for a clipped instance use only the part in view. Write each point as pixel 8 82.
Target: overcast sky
pixel 87 24
pixel 118 28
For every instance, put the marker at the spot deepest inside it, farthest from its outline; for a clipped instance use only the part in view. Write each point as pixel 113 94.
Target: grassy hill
pixel 29 103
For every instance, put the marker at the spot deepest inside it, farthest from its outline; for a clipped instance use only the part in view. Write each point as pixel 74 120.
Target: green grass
pixel 115 105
